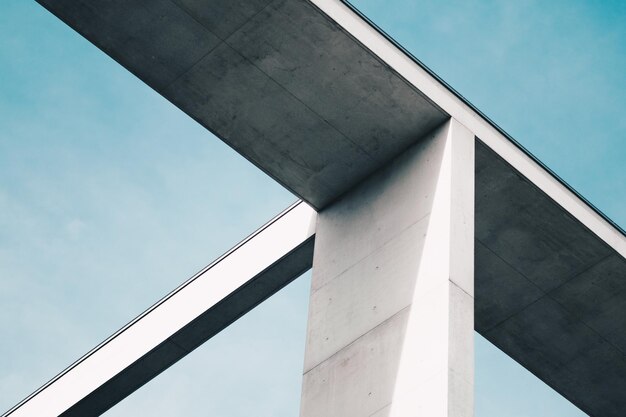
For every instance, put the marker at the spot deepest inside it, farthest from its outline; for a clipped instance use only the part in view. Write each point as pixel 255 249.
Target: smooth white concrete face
pixel 390 329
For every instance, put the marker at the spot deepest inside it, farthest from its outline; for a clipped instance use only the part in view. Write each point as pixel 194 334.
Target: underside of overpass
pixel 549 293
pixel 306 94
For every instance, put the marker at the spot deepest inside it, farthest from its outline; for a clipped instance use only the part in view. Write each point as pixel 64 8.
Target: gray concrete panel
pixel 222 17
pixel 598 298
pixel 501 292
pixel 530 336
pixel 253 116
pixel 278 81
pixel 545 243
pixel 601 367
pixel 549 292
pixel 567 355
pixel 155 40
pixel 343 83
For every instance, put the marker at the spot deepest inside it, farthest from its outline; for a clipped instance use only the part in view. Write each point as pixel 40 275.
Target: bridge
pixel 421 219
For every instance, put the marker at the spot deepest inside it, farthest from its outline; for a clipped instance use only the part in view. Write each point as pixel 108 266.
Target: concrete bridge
pixel 422 220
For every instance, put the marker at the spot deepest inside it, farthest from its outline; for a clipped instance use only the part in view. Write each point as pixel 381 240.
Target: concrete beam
pixel 549 292
pixel 490 134
pixel 200 308
pixel 391 324
pixel 309 91
pixel 320 99
pixel 278 81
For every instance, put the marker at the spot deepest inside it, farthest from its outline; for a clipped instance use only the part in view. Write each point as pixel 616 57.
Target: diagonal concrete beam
pixel 215 297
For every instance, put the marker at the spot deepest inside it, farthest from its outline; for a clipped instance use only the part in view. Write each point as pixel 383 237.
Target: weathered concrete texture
pixel 549 293
pixel 278 81
pixel 390 329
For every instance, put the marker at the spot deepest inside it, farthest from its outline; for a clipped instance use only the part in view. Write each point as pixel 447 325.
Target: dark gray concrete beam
pixel 278 81
pixel 222 17
pixel 549 292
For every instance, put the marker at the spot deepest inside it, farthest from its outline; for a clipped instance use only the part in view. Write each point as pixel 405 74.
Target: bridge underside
pixel 275 80
pixel 294 92
pixel 549 293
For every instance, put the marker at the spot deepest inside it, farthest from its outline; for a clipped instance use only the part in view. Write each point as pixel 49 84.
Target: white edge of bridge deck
pixel 483 129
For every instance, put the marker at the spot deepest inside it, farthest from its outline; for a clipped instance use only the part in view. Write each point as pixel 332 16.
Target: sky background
pixel 110 196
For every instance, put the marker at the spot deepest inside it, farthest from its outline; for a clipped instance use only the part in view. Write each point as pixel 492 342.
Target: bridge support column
pixel 391 314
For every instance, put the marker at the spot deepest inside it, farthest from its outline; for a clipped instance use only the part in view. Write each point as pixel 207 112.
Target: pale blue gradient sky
pixel 110 196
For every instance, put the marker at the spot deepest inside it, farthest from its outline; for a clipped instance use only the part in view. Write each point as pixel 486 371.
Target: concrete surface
pixel 549 293
pixel 278 81
pixel 390 328
pixel 320 100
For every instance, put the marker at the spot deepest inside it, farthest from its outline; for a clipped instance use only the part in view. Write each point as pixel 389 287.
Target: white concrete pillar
pixel 391 314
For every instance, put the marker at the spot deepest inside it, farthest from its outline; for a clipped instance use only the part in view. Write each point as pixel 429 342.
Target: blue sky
pixel 110 196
